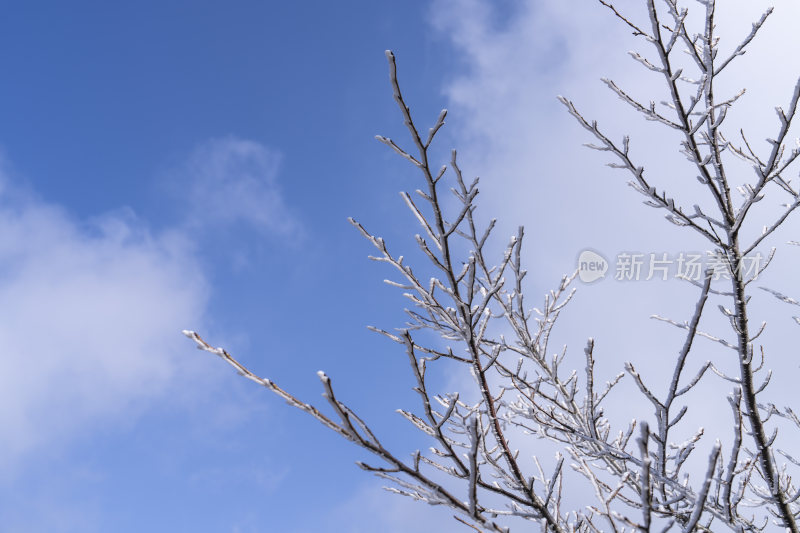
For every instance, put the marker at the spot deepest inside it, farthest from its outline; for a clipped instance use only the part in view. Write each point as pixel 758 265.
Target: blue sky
pixel 172 165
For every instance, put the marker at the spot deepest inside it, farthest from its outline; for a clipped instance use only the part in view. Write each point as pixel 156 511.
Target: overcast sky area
pixel 191 165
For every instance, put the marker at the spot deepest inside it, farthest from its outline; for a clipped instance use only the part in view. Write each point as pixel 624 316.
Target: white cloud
pixel 511 131
pixel 230 181
pixel 93 309
pixel 90 321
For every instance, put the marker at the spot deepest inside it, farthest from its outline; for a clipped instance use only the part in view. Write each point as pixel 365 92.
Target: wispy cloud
pixel 230 182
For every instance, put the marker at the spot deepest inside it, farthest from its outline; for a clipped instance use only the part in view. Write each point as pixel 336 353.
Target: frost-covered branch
pixel 699 115
pixel 474 303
